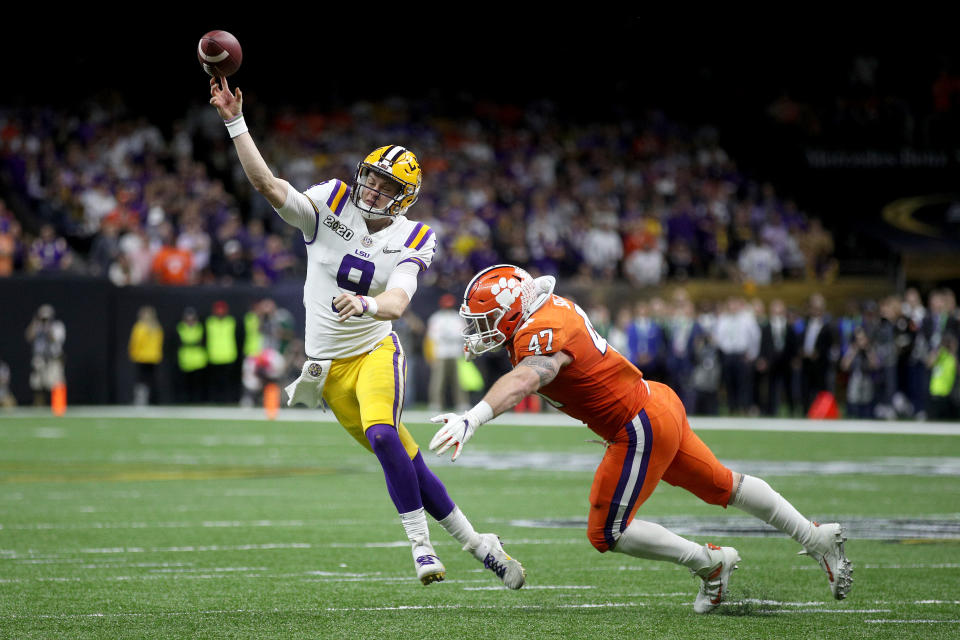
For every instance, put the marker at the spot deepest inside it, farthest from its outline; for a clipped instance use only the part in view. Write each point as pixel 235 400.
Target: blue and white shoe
pixel 490 552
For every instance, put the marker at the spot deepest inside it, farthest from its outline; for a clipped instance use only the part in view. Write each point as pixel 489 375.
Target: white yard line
pixel 881 621
pixel 518 419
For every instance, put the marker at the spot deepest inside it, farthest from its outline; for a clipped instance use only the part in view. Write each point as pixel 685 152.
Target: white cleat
pixel 827 549
pixel 429 567
pixel 716 576
pixel 490 552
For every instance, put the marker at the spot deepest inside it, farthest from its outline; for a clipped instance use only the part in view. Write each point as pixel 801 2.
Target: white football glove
pixel 456 430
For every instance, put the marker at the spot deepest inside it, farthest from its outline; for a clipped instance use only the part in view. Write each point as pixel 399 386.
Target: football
pixel 219 53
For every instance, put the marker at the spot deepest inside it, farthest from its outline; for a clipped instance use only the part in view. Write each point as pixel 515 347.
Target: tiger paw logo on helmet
pixel 507 291
pixel 494 303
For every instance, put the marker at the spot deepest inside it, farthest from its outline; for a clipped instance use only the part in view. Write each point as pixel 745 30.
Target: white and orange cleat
pixel 827 549
pixel 715 576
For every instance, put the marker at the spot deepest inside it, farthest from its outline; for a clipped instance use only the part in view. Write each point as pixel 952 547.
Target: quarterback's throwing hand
pixel 348 305
pixel 230 105
pixel 457 430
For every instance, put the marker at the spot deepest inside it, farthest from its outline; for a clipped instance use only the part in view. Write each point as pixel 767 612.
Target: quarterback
pixel 556 351
pixel 364 257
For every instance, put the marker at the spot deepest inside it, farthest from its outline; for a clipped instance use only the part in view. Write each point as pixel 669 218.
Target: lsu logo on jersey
pixel 338 227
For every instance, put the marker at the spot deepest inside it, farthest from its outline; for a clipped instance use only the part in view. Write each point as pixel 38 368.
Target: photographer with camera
pixel 46 336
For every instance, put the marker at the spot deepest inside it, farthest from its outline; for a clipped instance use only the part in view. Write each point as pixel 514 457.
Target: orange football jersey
pixel 600 387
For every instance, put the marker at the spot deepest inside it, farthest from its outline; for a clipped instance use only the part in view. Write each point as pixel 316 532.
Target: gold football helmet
pixel 396 164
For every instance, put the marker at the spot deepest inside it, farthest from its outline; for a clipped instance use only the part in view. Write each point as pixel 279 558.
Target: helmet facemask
pixel 481 333
pixel 388 210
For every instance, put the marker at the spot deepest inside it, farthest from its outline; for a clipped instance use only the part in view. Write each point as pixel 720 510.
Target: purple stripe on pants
pixel 644 462
pixel 621 485
pixel 397 405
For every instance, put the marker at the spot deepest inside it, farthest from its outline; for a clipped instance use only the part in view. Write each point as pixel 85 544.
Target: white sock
pixel 757 498
pixel 415 524
pixel 651 541
pixel 457 525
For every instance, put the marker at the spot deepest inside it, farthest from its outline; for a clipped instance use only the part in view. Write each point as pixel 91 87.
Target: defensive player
pixel 363 260
pixel 556 351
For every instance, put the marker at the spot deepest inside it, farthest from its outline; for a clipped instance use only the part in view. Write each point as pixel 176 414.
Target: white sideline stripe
pixel 703 423
pixel 917 621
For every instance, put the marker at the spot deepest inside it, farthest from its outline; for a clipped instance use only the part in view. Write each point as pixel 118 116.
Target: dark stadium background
pixel 721 69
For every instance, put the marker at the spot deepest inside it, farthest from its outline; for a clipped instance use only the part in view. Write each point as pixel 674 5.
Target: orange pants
pixel 657 443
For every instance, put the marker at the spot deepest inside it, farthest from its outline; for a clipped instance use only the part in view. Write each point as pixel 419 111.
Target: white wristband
pixel 370 307
pixel 481 412
pixel 236 126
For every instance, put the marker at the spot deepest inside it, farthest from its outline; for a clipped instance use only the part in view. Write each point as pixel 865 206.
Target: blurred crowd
pixel 892 358
pixel 643 199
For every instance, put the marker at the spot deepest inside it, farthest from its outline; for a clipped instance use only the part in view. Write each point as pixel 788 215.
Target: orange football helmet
pixel 495 302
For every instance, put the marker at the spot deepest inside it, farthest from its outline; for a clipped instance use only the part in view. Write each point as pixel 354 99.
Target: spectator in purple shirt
pixel 49 252
pixel 270 266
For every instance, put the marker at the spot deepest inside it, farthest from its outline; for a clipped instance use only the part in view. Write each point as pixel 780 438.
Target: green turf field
pixel 185 528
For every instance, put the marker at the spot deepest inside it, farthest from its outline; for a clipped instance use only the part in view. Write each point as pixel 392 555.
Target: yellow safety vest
pixel 221 339
pixel 252 340
pixel 192 355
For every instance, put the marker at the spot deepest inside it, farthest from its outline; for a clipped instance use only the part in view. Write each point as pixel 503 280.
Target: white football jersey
pixel 343 256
